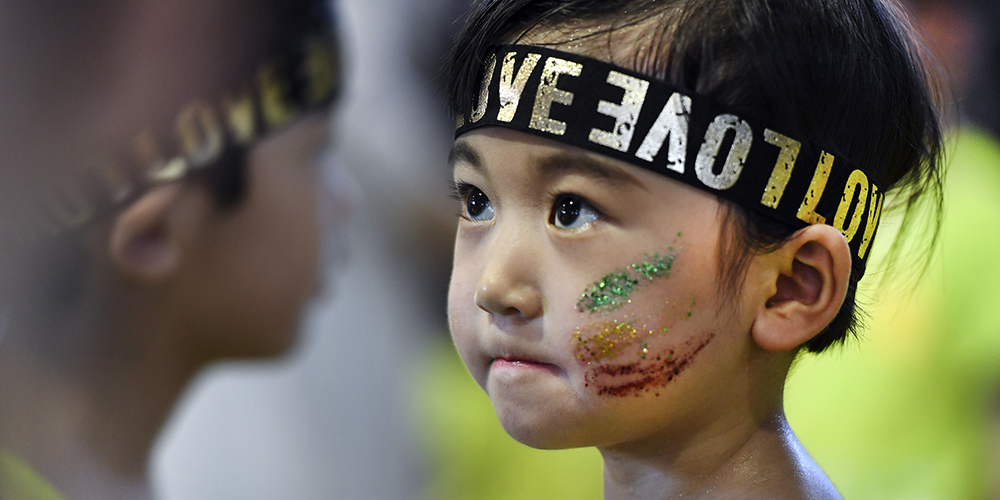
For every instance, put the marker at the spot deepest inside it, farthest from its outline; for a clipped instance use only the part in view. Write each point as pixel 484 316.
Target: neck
pixel 86 421
pixel 731 461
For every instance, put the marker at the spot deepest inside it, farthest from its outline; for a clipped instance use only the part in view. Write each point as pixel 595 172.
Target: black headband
pixel 625 115
pixel 301 75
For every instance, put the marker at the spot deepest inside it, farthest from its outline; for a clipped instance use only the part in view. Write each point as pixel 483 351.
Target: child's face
pixel 565 362
pixel 260 264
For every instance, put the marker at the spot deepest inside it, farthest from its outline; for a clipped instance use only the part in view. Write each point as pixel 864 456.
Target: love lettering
pixel 665 144
pixel 282 89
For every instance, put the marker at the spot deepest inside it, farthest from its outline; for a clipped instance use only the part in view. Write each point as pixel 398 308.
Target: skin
pixel 173 280
pixel 716 430
pixel 255 268
pixel 236 290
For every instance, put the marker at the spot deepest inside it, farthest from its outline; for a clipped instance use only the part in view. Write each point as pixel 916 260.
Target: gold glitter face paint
pixel 610 339
pixel 606 340
pixel 623 355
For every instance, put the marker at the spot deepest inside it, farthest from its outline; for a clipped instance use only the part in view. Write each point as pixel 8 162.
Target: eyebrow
pixel 461 152
pixel 554 166
pixel 563 164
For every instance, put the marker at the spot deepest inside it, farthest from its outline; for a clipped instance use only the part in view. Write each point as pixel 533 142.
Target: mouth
pixel 512 363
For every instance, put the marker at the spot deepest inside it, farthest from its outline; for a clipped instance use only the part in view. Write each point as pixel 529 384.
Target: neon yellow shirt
pixel 19 481
pixel 906 413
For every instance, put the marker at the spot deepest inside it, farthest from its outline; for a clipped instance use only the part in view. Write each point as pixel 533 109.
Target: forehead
pixel 500 153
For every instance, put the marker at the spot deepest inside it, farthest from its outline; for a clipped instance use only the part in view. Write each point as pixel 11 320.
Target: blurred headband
pixel 687 137
pixel 300 75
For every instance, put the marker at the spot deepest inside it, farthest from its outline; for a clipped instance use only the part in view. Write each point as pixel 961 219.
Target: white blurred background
pixel 333 420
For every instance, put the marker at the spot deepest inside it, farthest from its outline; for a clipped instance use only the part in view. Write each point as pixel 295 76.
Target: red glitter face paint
pixel 645 375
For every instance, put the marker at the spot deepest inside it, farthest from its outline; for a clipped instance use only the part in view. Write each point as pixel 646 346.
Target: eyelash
pixel 553 197
pixel 460 191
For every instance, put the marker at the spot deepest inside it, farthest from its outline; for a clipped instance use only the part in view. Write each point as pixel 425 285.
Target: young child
pixel 180 225
pixel 663 203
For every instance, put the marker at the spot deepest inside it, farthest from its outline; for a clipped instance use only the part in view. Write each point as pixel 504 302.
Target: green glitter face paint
pixel 612 291
pixel 608 294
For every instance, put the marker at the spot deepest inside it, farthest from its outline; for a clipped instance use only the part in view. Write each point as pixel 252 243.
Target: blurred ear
pixel 144 242
pixel 808 275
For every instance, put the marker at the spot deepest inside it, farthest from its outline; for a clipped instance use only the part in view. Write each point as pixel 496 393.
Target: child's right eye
pixel 477 206
pixel 572 212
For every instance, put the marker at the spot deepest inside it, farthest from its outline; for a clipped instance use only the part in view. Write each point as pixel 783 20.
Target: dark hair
pixel 280 23
pixel 981 99
pixel 58 266
pixel 849 75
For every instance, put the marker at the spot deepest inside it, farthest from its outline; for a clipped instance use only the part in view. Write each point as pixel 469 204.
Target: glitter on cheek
pixel 605 340
pixel 610 339
pixel 609 293
pixel 636 378
pixel 613 290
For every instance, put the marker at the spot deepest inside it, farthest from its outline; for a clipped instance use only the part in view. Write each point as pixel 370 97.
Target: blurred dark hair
pixel 281 25
pixel 982 97
pixel 56 270
pixel 849 75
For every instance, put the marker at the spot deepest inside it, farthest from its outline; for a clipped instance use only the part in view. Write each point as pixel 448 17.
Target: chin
pixel 540 424
pixel 271 328
pixel 279 345
pixel 269 337
pixel 279 340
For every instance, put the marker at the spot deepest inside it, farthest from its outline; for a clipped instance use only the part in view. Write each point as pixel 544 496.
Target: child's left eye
pixel 572 212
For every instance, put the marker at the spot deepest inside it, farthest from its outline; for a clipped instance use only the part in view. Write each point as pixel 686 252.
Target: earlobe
pixel 144 244
pixel 809 275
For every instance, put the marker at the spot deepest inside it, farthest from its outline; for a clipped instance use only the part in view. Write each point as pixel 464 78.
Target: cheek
pixel 463 314
pixel 649 372
pixel 457 307
pixel 459 289
pixel 650 338
pixel 286 210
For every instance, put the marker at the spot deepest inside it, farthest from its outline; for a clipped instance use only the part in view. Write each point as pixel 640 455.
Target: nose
pixel 509 283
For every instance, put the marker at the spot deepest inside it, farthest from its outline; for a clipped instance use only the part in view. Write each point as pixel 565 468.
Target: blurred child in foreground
pixel 177 223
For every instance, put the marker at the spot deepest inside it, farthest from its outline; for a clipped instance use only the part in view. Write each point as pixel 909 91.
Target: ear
pixel 144 243
pixel 808 277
